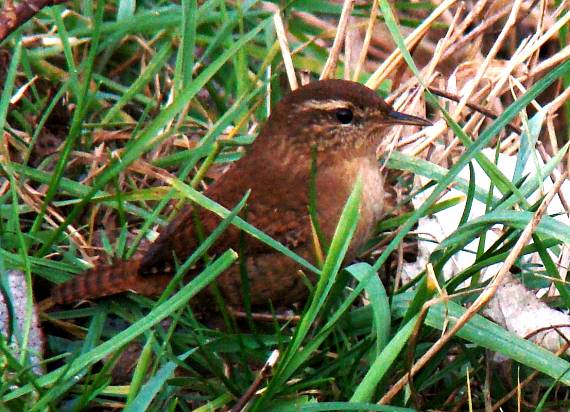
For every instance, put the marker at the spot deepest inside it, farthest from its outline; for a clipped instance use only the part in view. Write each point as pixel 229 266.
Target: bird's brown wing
pixel 270 271
pixel 285 220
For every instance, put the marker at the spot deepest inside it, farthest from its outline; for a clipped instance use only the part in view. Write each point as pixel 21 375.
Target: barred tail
pixel 108 280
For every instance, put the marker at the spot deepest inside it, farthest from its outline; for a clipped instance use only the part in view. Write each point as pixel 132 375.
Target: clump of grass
pixel 117 113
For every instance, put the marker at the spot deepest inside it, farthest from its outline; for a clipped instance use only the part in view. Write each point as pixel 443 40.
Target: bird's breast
pixel 334 186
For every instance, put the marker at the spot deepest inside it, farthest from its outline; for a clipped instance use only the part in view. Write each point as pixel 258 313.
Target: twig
pixel 472 106
pixel 487 23
pixel 263 373
pixel 266 317
pixel 367 38
pixel 13 17
pixel 474 15
pixel 383 71
pixel 286 53
pixel 490 56
pixel 330 64
pixel 348 43
pixel 552 61
pixel 534 44
pixel 529 379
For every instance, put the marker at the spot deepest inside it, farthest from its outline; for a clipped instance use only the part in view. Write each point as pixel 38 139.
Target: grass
pixel 146 103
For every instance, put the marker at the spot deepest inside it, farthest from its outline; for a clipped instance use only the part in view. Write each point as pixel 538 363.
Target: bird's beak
pixel 395 117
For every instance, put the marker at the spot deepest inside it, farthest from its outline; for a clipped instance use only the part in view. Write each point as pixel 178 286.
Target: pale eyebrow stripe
pixel 326 105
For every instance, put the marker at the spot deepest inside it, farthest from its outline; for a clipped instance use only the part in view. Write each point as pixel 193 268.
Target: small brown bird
pixel 344 122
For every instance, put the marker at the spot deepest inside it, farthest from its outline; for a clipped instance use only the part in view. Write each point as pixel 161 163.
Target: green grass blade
pixel 148 138
pixel 378 297
pixel 548 226
pixel 489 335
pixel 155 384
pixel 365 390
pixel 495 175
pixel 156 64
pixel 221 211
pixel 471 152
pixel 76 122
pixel 293 358
pixel 136 329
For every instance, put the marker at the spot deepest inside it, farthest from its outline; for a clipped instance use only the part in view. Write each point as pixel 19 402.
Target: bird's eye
pixel 344 115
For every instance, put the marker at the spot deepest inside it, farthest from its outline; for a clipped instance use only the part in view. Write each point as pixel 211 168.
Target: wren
pixel 336 124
